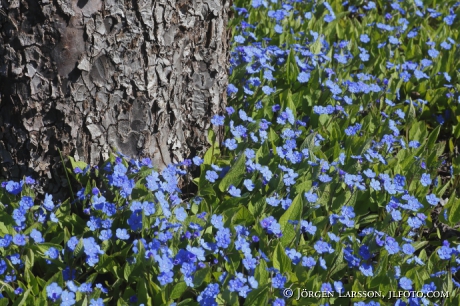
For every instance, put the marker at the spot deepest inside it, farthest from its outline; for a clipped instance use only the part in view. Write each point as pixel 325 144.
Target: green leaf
pixel 294 213
pixel 280 260
pixel 323 119
pixel 178 290
pixel 201 275
pixel 412 114
pixel 258 296
pixel 211 137
pixel 315 48
pixel 235 174
pixel 128 270
pixel 261 273
pixel 75 164
pixel 4 302
pixel 141 293
pixel 454 211
pixel 243 216
pixel 207 159
pixel 338 263
pixel 185 302
pixel 380 273
pixel 432 138
pixel 78 251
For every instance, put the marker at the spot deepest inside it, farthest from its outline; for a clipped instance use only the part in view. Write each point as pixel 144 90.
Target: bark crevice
pixel 85 76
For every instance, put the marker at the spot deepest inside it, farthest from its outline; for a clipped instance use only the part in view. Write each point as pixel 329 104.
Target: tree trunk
pixel 86 76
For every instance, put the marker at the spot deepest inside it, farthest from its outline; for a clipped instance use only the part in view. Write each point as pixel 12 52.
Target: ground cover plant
pixel 340 117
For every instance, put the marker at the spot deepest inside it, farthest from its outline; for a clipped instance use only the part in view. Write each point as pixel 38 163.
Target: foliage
pixel 327 179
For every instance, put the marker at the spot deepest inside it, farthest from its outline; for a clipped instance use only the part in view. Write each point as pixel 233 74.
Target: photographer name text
pixel 304 293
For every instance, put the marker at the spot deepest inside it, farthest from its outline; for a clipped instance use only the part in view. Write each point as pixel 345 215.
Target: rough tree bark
pixel 142 76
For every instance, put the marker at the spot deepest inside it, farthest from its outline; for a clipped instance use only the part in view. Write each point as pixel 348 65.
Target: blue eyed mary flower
pixel 122 234
pixel 311 197
pixel 425 179
pixel 405 283
pixel 234 192
pixel 211 176
pixel 432 199
pixel 303 77
pixel 218 120
pixel 249 184
pixel 364 38
pixel 53 292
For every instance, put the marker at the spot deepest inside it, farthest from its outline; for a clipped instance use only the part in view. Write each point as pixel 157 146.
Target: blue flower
pixel 249 184
pixel 364 38
pixel 405 283
pixel 307 227
pixel 278 281
pixel 48 203
pixel 308 262
pixel 166 278
pixel 311 197
pixel 135 220
pixel 36 236
pixel 425 180
pixel 322 263
pixel 53 253
pixel 445 45
pixel 432 199
pixel 53 292
pixel 105 235
pixel 197 160
pixel 396 215
pixel 13 187
pixel 366 269
pixel 268 90
pixel 239 39
pixel 278 302
pixel 85 288
pixel 208 296
pixel 449 19
pixel 271 226
pixel 26 202
pixel 231 89
pixel 234 192
pixel 272 201
pixel 218 120
pixel 211 176
pixel 391 246
pixel 303 77
pixel 122 234
pixel 19 239
pixel 72 243
pixel 231 144
pixel 408 249
pixel 257 3
pixel 375 185
pixel 223 238
pixel 181 214
pixel 278 29
pixel 433 53
pixel 97 302
pixel 326 287
pixel 393 40
pixel 294 255
pixel 445 252
pixel 323 247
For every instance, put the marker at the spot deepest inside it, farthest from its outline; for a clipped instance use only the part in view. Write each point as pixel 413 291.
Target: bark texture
pixel 86 76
